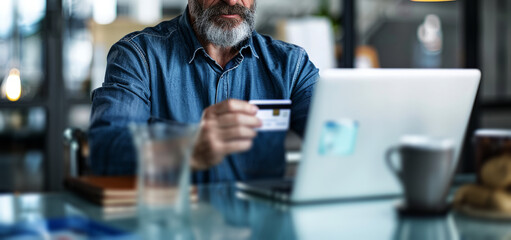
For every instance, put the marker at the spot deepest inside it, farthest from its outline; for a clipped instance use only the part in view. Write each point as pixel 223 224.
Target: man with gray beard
pixel 202 67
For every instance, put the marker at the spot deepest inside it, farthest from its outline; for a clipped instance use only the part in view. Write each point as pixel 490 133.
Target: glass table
pixel 222 212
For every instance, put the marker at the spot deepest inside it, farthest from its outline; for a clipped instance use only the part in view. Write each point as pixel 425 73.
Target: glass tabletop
pixel 222 212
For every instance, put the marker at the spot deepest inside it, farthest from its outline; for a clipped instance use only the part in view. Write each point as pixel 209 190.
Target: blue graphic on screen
pixel 338 138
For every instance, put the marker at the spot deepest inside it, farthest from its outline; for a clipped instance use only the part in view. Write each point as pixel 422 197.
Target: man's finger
pixel 238 133
pixel 238 119
pixel 234 105
pixel 237 146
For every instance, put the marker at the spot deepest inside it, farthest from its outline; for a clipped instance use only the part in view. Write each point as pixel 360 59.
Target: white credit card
pixel 275 114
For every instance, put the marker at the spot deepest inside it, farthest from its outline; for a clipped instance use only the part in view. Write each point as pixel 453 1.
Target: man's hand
pixel 225 128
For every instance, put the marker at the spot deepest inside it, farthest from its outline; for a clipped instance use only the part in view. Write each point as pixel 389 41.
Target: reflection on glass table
pixel 223 213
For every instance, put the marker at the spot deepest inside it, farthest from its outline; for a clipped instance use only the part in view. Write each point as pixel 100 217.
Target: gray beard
pixel 226 38
pixel 222 34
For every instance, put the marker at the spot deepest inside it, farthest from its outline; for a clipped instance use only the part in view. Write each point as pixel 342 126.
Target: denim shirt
pixel 163 72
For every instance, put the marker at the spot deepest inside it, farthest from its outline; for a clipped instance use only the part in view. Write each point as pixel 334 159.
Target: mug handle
pixel 390 164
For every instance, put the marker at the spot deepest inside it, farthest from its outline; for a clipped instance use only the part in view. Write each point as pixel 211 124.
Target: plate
pixel 482 213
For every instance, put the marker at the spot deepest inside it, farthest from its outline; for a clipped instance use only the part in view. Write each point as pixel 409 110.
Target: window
pixel 23 116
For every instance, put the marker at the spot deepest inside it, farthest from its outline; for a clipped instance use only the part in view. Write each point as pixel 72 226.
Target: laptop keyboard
pixel 285 187
pixel 287 190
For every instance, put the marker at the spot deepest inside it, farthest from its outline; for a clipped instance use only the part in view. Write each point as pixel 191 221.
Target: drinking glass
pixel 163 176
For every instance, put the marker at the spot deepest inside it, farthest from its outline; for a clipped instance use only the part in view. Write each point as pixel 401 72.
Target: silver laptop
pixel 356 115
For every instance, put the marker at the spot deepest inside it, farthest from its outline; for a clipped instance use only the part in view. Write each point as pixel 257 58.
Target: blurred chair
pixel 76 150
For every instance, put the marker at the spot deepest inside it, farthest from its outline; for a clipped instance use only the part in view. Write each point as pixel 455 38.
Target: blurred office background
pixel 53 54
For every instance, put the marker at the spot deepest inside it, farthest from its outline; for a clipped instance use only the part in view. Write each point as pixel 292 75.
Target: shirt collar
pixel 193 43
pixel 249 43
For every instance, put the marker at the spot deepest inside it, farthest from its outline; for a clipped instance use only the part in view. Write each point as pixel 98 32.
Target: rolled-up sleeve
pixel 122 99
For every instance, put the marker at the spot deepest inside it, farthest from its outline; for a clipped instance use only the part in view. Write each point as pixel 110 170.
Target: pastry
pixel 501 201
pixel 483 197
pixel 473 195
pixel 496 172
